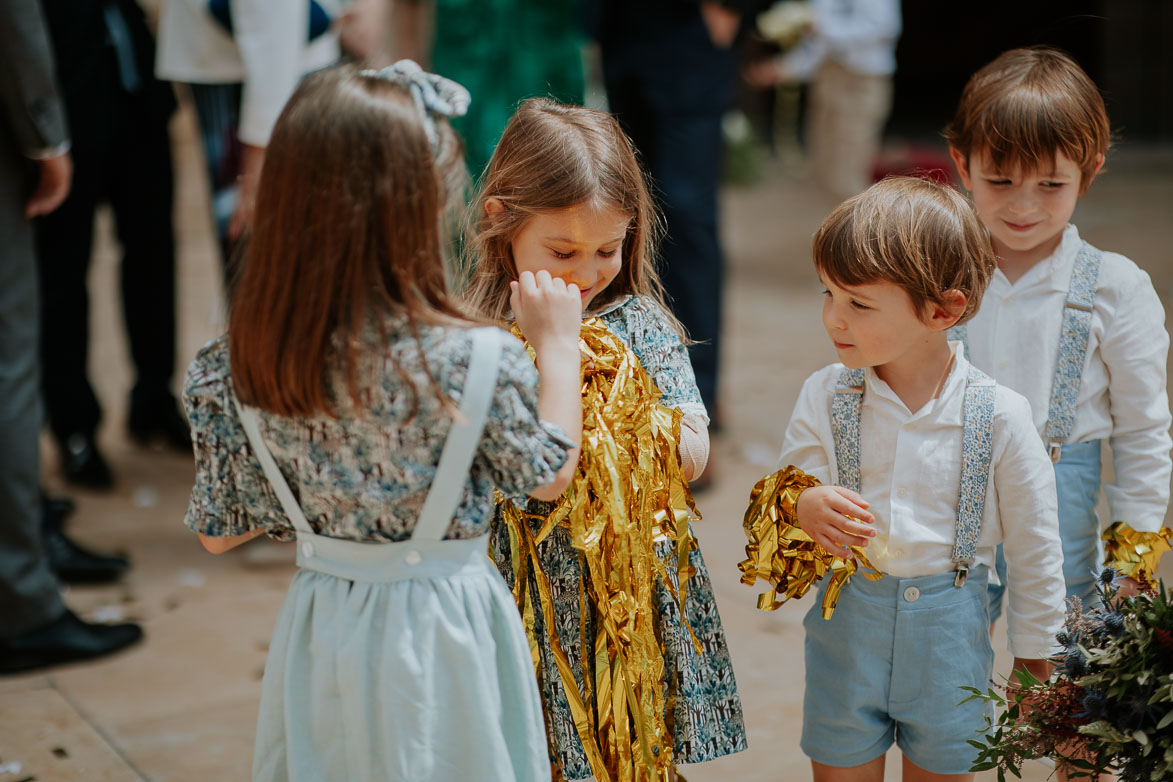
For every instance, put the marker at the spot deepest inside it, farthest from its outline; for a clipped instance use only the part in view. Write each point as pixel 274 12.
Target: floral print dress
pixel 706 721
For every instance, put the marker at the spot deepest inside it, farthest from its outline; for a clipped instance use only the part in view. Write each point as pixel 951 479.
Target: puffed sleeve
pixel 231 495
pixel 518 449
pixel 662 354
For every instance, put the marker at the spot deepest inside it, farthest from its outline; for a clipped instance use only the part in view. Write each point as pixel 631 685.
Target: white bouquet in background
pixel 785 23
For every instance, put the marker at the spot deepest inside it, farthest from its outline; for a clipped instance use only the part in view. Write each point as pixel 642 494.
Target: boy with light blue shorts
pixel 928 464
pixel 1079 332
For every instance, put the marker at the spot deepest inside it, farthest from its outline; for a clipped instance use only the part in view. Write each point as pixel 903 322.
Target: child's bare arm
pixel 218 545
pixel 1040 669
pixel 549 313
pixel 836 518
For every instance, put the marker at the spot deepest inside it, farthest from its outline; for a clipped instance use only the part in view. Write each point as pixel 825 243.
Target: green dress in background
pixel 504 51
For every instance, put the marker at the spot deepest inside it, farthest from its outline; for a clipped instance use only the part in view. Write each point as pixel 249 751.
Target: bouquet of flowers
pixel 1108 706
pixel 785 23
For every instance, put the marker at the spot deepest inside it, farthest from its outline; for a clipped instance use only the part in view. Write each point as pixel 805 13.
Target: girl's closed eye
pixel 859 305
pixel 561 255
pixel 609 253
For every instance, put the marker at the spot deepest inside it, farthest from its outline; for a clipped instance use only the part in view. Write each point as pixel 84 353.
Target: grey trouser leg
pixel 29 594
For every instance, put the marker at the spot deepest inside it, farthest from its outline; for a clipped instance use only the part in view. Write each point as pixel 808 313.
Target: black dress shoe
pixel 54 510
pixel 82 463
pixel 68 639
pixel 76 565
pixel 160 423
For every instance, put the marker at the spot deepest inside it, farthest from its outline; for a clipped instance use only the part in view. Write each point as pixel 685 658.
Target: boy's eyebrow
pixel 565 240
pixel 852 290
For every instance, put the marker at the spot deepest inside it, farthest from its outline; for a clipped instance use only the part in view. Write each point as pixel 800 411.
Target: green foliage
pixel 1108 706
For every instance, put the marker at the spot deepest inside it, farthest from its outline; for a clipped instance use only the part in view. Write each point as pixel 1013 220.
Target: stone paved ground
pixel 180 707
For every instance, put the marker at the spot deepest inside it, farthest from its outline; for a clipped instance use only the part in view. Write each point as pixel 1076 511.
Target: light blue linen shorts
pixel 888 665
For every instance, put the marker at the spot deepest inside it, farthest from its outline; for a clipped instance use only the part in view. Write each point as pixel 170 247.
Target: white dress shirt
pixel 1015 339
pixel 910 473
pixel 267 52
pixel 858 34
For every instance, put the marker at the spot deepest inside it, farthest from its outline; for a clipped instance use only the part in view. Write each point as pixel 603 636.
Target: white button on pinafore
pixel 412 557
pixel 911 594
pixel 307 549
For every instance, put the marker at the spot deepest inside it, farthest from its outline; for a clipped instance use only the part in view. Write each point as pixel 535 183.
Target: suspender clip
pixel 962 575
pixel 1055 449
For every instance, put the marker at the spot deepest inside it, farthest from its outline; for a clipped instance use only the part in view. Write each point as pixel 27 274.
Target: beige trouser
pixel 845 121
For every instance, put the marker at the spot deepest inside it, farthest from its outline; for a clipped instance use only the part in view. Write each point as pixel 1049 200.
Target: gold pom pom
pixel 785 556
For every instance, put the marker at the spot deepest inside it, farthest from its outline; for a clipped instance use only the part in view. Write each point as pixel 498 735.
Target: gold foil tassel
pixel 627 495
pixel 1134 553
pixel 785 556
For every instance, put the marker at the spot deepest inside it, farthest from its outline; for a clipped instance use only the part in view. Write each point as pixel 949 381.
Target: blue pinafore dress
pixel 404 660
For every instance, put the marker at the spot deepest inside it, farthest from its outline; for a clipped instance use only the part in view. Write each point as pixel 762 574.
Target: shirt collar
pixel 946 406
pixel 608 308
pixel 1054 271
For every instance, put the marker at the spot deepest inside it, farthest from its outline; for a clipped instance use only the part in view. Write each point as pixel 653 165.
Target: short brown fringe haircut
pixel 347 229
pixel 920 235
pixel 553 157
pixel 1026 106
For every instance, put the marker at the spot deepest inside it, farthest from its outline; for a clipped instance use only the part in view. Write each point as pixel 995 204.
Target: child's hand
pixel 548 311
pixel 1126 587
pixel 823 513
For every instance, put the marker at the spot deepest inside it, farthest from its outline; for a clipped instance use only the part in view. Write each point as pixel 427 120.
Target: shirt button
pixel 307 549
pixel 911 594
pixel 412 557
pixel 899 552
pixel 1003 364
pixel 902 492
pixel 1006 302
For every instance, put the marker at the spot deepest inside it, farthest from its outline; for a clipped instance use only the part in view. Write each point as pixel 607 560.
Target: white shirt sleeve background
pixel 1122 395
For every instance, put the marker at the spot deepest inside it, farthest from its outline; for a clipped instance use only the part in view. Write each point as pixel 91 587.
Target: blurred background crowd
pixel 830 93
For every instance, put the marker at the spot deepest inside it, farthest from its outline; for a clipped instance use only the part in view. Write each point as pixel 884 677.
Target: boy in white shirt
pixel 1079 332
pixel 949 465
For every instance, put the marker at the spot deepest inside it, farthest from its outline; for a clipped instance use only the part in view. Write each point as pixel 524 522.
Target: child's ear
pixel 494 208
pixel 961 161
pixel 943 316
pixel 1086 181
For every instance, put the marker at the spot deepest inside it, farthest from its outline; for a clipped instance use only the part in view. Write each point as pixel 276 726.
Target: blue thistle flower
pixel 1074 666
pixel 1095 706
pixel 1114 623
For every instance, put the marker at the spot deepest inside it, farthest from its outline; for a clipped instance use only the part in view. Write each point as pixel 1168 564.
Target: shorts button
pixel 911 594
pixel 412 557
pixel 902 492
pixel 307 549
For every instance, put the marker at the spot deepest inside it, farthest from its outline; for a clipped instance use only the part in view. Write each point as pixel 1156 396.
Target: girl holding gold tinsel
pixel 628 645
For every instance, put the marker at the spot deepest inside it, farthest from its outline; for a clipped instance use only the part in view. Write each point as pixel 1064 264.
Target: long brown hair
pixel 553 157
pixel 347 229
